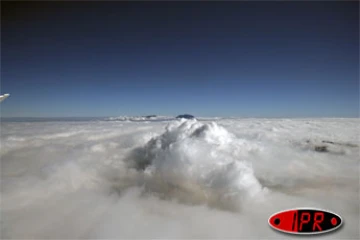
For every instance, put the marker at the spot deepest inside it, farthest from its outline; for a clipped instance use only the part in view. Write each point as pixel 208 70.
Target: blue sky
pixel 246 59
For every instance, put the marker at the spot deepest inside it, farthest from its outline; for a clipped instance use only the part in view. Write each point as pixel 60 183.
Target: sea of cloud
pixel 207 178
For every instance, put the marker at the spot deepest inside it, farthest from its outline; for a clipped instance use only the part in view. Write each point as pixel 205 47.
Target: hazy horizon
pixel 221 117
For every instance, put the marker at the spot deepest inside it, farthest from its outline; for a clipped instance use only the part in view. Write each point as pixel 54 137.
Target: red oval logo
pixel 305 221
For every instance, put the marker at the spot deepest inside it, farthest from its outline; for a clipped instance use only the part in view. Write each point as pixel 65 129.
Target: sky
pixel 245 59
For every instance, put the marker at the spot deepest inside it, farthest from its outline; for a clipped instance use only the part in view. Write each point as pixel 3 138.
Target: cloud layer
pixel 178 179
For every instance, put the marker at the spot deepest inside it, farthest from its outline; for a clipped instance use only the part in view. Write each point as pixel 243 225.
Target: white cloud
pixel 203 179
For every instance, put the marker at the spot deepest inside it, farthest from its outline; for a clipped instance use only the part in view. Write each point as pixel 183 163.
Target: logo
pixel 305 221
